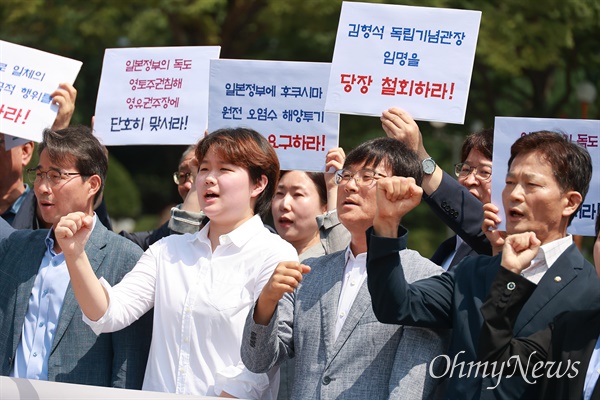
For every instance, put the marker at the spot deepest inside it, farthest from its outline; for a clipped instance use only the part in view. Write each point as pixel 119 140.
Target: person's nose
pixel 351 185
pixel 471 179
pixel 286 203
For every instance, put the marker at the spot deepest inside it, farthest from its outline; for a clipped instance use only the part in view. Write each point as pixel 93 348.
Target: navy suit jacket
pixel 77 355
pixel 453 299
pixel 461 212
pixel 570 339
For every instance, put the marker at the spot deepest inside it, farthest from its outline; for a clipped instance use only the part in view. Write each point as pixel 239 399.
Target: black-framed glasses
pixel 483 172
pixel 36 176
pixel 364 177
pixel 181 177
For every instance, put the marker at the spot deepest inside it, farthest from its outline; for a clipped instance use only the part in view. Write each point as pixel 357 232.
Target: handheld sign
pixel 27 78
pixel 284 101
pixel 153 95
pixel 584 132
pixel 416 58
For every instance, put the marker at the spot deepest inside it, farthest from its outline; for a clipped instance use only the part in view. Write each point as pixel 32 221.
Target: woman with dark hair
pixel 303 210
pixel 201 285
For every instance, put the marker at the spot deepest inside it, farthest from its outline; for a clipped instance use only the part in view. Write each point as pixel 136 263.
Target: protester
pixel 449 199
pixel 565 355
pixel 547 179
pixel 186 217
pixel 42 332
pixel 201 286
pixel 324 319
pixel 304 213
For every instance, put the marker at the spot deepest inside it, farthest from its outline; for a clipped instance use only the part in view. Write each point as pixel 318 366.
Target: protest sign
pixel 284 101
pixel 417 58
pixel 153 95
pixel 27 79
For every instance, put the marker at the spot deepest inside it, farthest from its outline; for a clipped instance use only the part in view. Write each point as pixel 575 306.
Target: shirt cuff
pixel 241 383
pixel 183 221
pixel 98 325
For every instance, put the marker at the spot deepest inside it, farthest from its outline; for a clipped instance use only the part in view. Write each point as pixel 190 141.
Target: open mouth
pixel 513 213
pixel 210 195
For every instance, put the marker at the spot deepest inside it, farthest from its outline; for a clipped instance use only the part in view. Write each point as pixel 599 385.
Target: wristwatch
pixel 428 166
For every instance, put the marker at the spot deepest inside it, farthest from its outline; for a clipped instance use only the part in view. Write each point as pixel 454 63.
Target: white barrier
pixel 27 389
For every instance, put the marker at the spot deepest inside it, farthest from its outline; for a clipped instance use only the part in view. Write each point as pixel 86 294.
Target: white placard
pixel 27 78
pixel 27 389
pixel 585 132
pixel 416 58
pixel 153 95
pixel 284 101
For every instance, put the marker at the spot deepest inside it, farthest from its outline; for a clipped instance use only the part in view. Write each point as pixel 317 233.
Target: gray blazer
pixel 77 354
pixel 369 360
pixel 5 229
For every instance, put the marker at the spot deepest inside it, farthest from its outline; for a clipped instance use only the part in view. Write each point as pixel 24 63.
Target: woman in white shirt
pixel 202 285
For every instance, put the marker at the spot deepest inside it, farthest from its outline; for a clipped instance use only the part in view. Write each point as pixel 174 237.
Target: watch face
pixel 428 166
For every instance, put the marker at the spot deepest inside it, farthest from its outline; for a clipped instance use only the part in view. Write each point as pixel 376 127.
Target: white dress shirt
pixel 355 274
pixel 201 300
pixel 43 312
pixel 545 258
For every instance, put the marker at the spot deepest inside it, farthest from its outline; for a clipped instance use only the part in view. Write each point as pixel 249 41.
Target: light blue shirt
pixel 591 377
pixel 43 312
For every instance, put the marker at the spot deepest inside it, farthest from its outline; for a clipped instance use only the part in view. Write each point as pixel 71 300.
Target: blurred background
pixel 533 59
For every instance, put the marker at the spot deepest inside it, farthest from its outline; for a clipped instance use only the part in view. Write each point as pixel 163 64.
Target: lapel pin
pixel 557 279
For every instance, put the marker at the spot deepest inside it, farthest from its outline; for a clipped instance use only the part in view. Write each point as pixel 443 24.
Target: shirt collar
pixel 17 203
pixel 239 236
pixel 550 252
pixel 362 257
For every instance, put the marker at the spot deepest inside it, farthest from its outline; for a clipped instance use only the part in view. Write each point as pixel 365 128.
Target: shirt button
pixel 353 283
pixel 35 354
pixel 45 292
pixel 41 324
pixel 187 339
pixel 342 314
pixel 326 380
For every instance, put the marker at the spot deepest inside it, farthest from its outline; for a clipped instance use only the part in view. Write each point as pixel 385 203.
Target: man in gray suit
pixel 5 229
pixel 324 319
pixel 42 335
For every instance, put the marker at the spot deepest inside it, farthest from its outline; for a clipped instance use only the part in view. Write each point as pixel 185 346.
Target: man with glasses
pixel 324 319
pixel 449 199
pixel 42 334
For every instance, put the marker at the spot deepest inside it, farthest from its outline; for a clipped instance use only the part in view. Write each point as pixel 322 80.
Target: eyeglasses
pixel 181 177
pixel 364 177
pixel 54 177
pixel 483 172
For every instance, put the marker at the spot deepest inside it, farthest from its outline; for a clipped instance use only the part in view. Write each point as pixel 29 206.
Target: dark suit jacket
pixel 447 247
pixel 26 217
pixel 461 212
pixel 570 338
pixel 77 354
pixel 452 300
pixel 5 229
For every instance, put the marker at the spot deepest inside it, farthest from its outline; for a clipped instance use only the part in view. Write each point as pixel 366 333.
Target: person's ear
pixel 26 153
pixel 95 183
pixel 260 186
pixel 571 200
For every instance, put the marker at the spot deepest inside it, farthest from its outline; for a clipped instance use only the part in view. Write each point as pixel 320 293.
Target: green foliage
pixel 121 194
pixel 530 57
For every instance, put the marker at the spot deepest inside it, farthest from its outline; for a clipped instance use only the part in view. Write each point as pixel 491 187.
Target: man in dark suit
pixel 571 343
pixel 547 180
pixel 42 335
pixel 458 203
